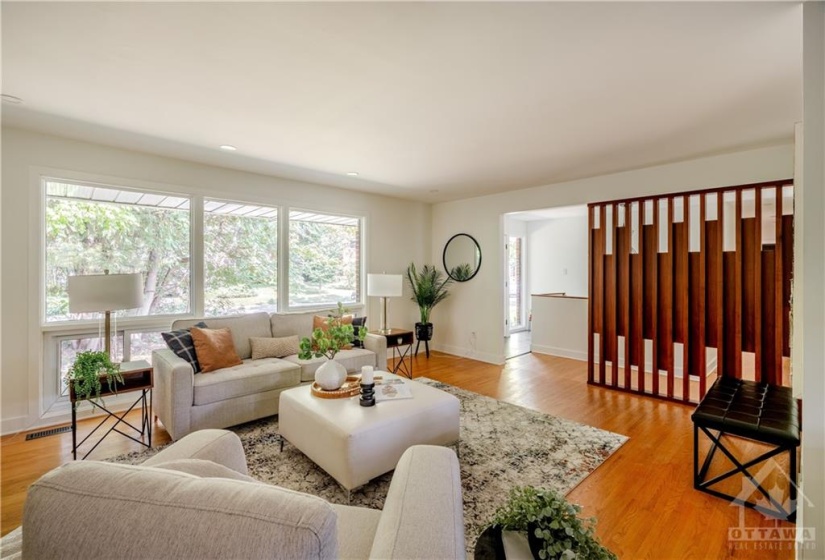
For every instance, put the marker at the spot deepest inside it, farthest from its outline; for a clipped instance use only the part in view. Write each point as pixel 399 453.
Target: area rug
pixel 502 446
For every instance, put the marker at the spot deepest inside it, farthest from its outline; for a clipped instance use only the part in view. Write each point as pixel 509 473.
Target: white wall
pixel 475 305
pixel 397 232
pixel 812 205
pixel 557 255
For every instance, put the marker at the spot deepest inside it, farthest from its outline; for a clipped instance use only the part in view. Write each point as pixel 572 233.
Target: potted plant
pixel 326 343
pixel 554 530
pixel 88 371
pixel 429 288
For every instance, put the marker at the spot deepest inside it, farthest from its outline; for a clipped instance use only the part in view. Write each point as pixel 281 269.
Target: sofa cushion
pixel 204 469
pixel 285 324
pixel 250 377
pixel 269 347
pixel 214 349
pixel 180 342
pixel 351 359
pixel 319 322
pixel 356 530
pixel 158 513
pixel 243 328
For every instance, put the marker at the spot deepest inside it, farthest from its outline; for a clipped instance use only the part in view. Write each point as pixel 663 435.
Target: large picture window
pixel 324 259
pixel 240 247
pixel 90 229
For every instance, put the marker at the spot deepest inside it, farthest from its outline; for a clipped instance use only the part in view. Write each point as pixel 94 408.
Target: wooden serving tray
pixel 350 388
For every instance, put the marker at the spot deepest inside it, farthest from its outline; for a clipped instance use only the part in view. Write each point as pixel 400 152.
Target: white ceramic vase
pixel 330 375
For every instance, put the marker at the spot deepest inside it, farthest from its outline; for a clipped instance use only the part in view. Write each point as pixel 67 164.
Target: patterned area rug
pixel 502 446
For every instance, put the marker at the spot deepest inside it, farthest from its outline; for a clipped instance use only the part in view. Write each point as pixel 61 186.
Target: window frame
pixel 285 265
pixel 47 325
pixel 45 337
pixel 280 210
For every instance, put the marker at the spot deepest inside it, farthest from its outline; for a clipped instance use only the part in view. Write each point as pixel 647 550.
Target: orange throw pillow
pixel 214 349
pixel 319 322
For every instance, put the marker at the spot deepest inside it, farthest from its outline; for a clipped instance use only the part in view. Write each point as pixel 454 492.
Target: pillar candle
pixel 367 375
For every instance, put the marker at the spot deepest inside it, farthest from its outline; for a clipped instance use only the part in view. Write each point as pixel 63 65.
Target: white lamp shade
pixel 384 285
pixel 104 292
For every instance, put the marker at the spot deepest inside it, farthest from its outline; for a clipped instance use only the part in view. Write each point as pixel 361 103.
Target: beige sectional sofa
pixel 186 402
pixel 195 500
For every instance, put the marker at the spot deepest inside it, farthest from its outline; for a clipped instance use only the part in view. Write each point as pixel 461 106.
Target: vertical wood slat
pixel 787 279
pixel 602 333
pixel 690 289
pixel 638 299
pixel 684 296
pixel 627 296
pixel 614 274
pixel 720 283
pixel 757 289
pixel 668 327
pixel 590 307
pixel 702 302
pixel 779 292
pixel 655 300
pixel 737 290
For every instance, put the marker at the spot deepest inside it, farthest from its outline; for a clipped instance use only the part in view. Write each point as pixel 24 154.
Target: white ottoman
pixel 355 444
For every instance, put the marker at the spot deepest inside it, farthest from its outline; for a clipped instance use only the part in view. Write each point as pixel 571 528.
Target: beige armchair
pixel 194 499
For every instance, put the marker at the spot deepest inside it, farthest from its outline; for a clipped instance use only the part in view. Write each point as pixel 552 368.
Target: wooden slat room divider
pixel 687 286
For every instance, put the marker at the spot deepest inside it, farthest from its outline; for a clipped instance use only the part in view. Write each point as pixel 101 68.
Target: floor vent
pixel 51 432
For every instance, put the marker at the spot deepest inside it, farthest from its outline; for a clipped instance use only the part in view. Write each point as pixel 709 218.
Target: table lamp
pixel 104 293
pixel 384 286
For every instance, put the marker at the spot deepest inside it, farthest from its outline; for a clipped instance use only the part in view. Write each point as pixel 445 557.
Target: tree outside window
pixel 92 229
pixel 324 259
pixel 240 258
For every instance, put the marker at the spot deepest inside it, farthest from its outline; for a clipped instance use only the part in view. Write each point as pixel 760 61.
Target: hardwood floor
pixel 643 495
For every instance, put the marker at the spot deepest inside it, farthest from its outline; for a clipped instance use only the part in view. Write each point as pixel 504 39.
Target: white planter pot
pixel 330 375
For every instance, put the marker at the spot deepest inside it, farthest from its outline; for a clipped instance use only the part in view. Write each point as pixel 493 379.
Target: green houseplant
pixel 87 372
pixel 429 288
pixel 326 343
pixel 553 527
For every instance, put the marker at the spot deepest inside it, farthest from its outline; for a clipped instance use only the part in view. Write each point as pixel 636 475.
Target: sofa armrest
pixel 219 446
pixel 174 391
pixel 378 345
pixel 423 515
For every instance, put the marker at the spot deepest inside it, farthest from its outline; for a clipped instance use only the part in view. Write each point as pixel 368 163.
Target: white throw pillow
pixel 274 347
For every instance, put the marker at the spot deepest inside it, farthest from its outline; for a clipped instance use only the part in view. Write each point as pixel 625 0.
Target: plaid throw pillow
pixel 180 342
pixel 357 323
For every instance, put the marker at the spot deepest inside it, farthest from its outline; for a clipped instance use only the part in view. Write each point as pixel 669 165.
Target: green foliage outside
pixel 323 261
pixel 554 521
pixel 89 237
pixel 241 262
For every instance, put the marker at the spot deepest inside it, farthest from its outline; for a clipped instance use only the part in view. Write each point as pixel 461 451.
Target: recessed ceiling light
pixel 228 148
pixel 352 173
pixel 11 99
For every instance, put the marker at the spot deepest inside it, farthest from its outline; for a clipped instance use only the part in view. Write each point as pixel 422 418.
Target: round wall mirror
pixel 462 257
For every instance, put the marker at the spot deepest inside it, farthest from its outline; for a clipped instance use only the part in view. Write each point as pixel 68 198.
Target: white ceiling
pixel 429 101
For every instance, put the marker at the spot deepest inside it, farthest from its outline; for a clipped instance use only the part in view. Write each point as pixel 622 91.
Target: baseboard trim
pixel 559 352
pixel 13 425
pixel 487 357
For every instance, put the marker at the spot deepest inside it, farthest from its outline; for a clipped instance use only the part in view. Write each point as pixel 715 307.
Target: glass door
pixel 515 284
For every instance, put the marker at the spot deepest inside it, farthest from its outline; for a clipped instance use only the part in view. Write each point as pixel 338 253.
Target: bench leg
pixel 699 482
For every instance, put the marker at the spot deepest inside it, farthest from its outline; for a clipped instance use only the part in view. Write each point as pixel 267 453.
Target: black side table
pixel 137 376
pixel 401 341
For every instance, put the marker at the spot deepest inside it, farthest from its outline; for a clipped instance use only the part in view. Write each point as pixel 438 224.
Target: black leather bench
pixel 765 413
